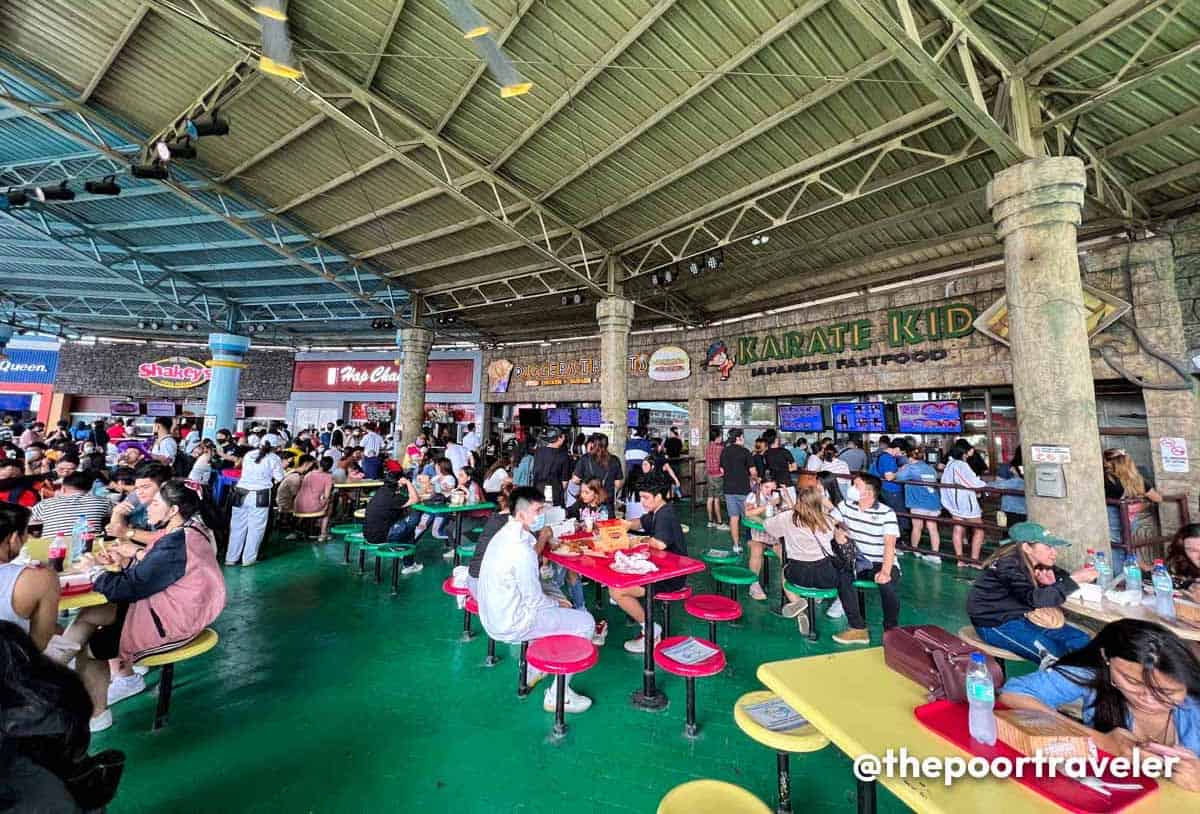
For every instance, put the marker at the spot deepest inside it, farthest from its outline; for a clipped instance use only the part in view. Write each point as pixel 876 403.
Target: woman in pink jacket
pixel 160 597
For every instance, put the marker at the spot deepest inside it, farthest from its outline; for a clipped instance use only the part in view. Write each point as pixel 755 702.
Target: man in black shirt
pixel 552 466
pixel 665 532
pixel 736 463
pixel 388 520
pixel 780 463
pixel 673 446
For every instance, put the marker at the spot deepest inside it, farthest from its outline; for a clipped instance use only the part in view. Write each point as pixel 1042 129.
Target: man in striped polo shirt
pixel 873 528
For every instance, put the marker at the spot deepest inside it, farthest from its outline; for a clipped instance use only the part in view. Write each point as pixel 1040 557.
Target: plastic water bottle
pixel 1104 569
pixel 77 531
pixel 1133 576
pixel 981 697
pixel 1164 591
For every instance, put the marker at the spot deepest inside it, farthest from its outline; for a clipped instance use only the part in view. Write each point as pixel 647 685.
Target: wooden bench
pixel 203 642
pixel 968 635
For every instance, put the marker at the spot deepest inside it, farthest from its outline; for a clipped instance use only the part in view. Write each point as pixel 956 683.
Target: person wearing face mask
pixel 513 607
pixel 159 597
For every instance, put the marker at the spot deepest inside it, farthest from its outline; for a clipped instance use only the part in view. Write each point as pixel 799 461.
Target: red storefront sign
pixel 371 376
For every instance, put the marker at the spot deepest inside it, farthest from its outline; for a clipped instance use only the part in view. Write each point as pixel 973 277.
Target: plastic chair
pixel 794 741
pixel 813 595
pixel 561 656
pixel 713 608
pixel 711 797
pixel 203 642
pixel 690 672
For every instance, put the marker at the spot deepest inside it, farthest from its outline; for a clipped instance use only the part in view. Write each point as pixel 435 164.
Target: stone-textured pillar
pixel 1036 207
pixel 615 316
pixel 414 344
pixel 228 353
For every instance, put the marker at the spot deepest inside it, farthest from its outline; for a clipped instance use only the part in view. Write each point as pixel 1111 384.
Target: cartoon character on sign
pixel 718 357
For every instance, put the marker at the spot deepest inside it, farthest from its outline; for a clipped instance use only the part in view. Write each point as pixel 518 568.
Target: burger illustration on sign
pixel 669 364
pixel 718 356
pixel 175 373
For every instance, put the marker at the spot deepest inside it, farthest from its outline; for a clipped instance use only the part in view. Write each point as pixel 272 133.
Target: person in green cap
pixel 1015 603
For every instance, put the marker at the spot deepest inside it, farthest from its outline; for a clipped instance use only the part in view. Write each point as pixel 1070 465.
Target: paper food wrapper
pixel 1032 731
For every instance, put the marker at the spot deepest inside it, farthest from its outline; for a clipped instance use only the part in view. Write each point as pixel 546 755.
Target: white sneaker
pixel 441 536
pixel 448 554
pixel 415 568
pixel 101 722
pixel 737 548
pixel 722 527
pixel 638 645
pixel 793 609
pixel 140 670
pixel 756 592
pixel 710 524
pixel 835 610
pixel 932 559
pixel 123 687
pixel 532 676
pixel 572 701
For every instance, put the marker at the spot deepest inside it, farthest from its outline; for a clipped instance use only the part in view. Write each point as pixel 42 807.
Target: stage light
pixel 154 171
pixel 211 125
pixel 760 240
pixel 191 327
pixel 106 187
pixel 175 150
pixel 577 299
pixel 16 197
pixel 716 259
pixel 695 267
pixel 154 326
pixel 58 193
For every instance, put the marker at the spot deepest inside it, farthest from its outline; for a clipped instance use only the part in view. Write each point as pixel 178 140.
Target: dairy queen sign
pixel 175 373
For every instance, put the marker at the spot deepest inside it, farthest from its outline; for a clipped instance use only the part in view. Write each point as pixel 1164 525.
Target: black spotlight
pixel 154 171
pixel 106 187
pixel 58 193
pixel 179 149
pixel 211 125
pixel 17 197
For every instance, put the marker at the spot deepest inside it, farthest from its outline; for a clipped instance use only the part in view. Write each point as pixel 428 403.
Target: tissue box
pixel 1032 731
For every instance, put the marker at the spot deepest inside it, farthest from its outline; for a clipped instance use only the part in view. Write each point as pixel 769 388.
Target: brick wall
pixel 1186 243
pixel 111 370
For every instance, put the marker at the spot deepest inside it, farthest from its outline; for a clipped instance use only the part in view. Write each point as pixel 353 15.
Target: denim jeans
pixel 572 592
pixel 1032 642
pixel 402 533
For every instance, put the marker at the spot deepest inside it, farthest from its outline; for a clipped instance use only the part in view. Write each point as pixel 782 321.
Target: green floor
pixel 327 694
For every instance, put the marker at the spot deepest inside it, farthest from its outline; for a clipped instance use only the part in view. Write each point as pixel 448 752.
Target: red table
pixel 600 570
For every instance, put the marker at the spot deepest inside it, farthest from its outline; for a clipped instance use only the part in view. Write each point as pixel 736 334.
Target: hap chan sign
pixel 175 373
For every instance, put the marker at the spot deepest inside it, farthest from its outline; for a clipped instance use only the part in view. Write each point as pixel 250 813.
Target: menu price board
pixel 160 408
pixel 587 416
pixel 866 416
pixel 558 416
pixel 801 418
pixel 930 417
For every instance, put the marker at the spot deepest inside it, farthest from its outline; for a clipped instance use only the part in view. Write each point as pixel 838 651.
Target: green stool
pixel 863 585
pixel 463 552
pixel 342 529
pixel 396 554
pixel 813 595
pixel 353 538
pixel 733 576
pixel 363 548
pixel 769 553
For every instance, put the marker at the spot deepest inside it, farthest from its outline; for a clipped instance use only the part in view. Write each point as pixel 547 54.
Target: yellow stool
pixel 305 517
pixel 794 741
pixel 203 642
pixel 968 635
pixel 711 797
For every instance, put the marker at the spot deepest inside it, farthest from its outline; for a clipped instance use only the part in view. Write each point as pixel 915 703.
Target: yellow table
pixel 1107 611
pixel 88 600
pixel 865 708
pixel 359 484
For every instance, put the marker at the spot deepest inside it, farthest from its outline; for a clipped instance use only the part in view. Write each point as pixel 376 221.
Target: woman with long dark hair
pixel 261 469
pixel 1183 560
pixel 1140 686
pixel 600 465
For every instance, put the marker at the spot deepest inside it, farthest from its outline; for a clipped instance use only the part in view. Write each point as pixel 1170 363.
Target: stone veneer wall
pixel 111 370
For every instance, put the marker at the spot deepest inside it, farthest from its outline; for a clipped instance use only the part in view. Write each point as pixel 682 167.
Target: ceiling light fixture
pixel 277 58
pixel 58 193
pixel 108 186
pixel 153 171
pixel 210 125
pixel 760 240
pixel 467 18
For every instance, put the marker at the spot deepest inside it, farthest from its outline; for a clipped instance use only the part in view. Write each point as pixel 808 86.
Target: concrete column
pixel 414 344
pixel 1036 207
pixel 615 316
pixel 228 351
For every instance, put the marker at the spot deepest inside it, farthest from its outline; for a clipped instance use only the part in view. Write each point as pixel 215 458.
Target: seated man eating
pixel 512 605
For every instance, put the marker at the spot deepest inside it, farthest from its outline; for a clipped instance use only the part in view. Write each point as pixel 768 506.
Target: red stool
pixel 472 607
pixel 449 588
pixel 713 608
pixel 561 656
pixel 690 672
pixel 667 597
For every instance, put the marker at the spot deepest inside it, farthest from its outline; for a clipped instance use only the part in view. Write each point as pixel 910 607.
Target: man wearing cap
pixel 1016 602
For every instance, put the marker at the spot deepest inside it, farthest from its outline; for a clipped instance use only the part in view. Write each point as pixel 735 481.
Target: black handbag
pixel 93 781
pixel 843 555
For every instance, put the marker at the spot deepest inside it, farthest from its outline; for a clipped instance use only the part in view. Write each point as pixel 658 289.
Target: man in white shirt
pixel 372 445
pixel 165 446
pixel 512 606
pixel 472 440
pixel 457 454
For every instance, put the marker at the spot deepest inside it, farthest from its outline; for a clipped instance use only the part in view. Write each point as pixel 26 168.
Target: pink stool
pixel 690 672
pixel 561 656
pixel 449 588
pixel 713 608
pixel 472 607
pixel 666 597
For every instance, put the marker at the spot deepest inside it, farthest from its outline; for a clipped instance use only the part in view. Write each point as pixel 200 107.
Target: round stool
pixel 813 595
pixel 491 661
pixel 561 656
pixel 690 672
pixel 711 797
pixel 719 556
pixel 666 598
pixel 449 588
pixel 969 635
pixel 769 553
pixel 794 741
pixel 342 529
pixel 863 585
pixel 733 576
pixel 713 608
pixel 463 552
pixel 396 554
pixel 363 548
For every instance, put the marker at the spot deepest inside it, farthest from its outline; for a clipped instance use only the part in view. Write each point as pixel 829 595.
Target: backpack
pixel 523 476
pixel 181 467
pixel 935 659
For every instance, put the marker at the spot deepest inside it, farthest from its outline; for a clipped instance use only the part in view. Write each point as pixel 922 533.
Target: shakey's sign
pixel 175 373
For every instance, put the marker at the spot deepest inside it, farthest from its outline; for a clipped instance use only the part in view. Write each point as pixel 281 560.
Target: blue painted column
pixel 228 351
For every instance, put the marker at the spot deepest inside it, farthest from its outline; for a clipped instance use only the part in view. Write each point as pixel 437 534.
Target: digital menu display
pixel 929 417
pixel 160 408
pixel 124 408
pixel 634 419
pixel 559 416
pixel 801 418
pixel 587 416
pixel 866 416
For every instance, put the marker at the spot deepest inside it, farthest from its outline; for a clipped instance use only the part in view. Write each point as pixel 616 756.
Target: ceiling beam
pixel 793 19
pixel 937 80
pixel 1151 184
pixel 384 39
pixel 272 148
pixel 1164 129
pixel 1113 16
pixel 334 182
pixel 478 254
pixel 113 53
pixel 627 39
